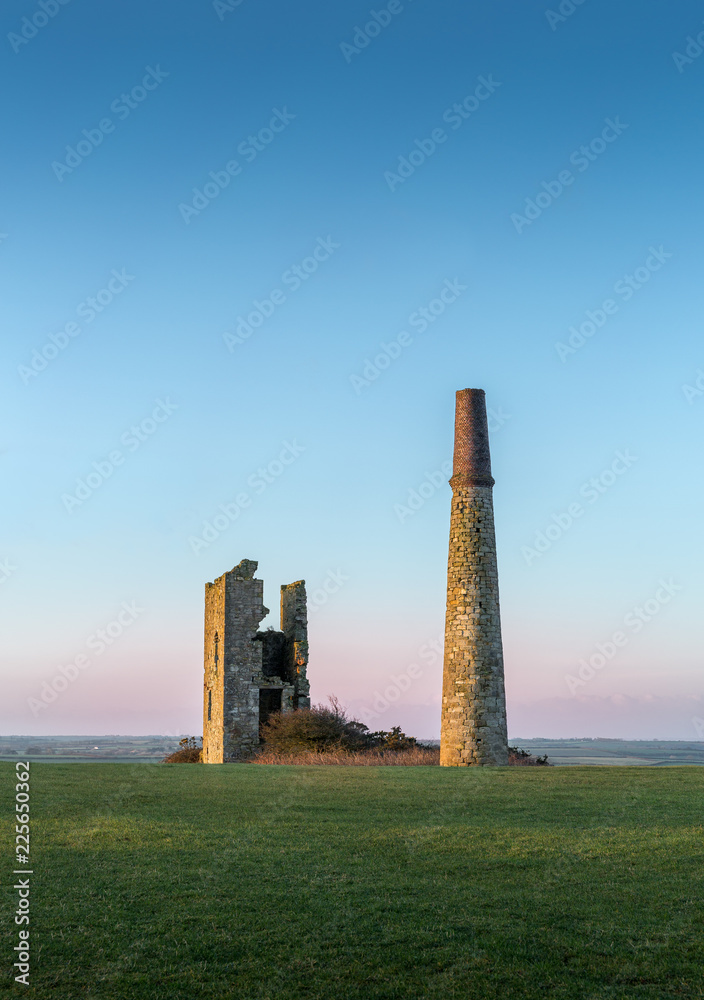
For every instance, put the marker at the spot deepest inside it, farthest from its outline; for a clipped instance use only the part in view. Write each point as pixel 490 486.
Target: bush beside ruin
pixel 523 758
pixel 327 730
pixel 190 752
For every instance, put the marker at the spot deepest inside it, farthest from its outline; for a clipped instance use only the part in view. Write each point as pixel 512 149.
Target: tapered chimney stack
pixel 473 730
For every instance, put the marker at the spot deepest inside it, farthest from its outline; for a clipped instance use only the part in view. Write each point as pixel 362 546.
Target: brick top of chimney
pixel 472 462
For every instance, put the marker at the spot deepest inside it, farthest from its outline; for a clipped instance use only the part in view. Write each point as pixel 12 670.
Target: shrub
pixel 394 739
pixel 523 758
pixel 190 752
pixel 328 728
pixel 314 729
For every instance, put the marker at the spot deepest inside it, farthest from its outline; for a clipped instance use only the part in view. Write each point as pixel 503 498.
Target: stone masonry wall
pixel 473 729
pixel 473 704
pixel 294 625
pixel 214 672
pixel 240 661
pixel 233 611
pixel 244 610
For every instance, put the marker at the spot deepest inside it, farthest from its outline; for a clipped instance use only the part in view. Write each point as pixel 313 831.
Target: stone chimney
pixel 473 728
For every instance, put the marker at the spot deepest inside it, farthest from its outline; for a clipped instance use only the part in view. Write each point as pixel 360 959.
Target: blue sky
pixel 599 94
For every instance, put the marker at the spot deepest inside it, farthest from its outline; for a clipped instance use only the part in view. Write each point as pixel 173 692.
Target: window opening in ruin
pixel 269 701
pixel 210 704
pixel 217 640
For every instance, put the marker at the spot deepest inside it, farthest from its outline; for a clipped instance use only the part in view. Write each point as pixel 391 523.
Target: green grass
pixel 269 883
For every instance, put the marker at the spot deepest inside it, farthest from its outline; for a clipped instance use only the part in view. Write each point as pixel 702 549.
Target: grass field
pixel 269 883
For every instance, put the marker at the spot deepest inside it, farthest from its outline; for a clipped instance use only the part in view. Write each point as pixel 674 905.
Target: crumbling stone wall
pixel 294 625
pixel 233 610
pixel 473 728
pixel 213 682
pixel 241 662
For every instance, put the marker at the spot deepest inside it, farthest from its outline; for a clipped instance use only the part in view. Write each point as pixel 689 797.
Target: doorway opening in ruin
pixel 269 701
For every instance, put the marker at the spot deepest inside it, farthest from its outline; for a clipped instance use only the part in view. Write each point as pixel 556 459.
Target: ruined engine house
pixel 249 674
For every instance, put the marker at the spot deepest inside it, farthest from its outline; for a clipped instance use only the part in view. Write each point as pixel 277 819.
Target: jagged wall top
pixel 245 569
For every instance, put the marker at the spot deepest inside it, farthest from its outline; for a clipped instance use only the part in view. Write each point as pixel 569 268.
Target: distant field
pixel 655 753
pixel 62 749
pixel 93 748
pixel 268 883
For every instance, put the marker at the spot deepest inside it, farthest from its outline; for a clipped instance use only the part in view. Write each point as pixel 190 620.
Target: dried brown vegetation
pixel 414 757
